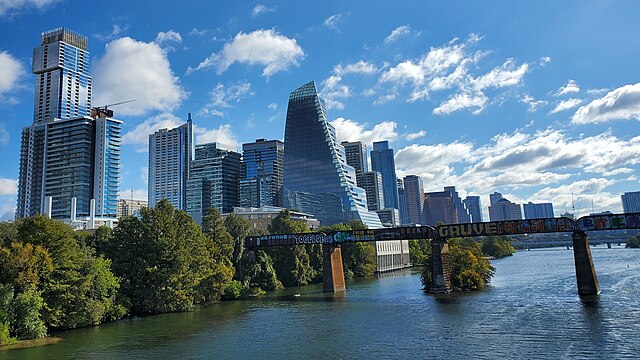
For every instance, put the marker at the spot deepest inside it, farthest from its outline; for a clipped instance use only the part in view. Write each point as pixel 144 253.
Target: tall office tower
pixel 402 203
pixel 538 211
pixel 494 198
pixel 389 217
pixel 382 160
pixel 439 208
pixel 463 214
pixel 63 84
pixel 317 179
pixel 503 209
pixel 67 154
pixel 213 181
pixel 371 182
pixel 414 194
pixel 261 173
pixel 631 201
pixel 170 156
pixel 356 153
pixel 472 203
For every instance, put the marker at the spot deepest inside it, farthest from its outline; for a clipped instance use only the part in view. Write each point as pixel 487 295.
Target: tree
pixel 6 298
pixel 214 228
pixel 260 272
pixel 239 229
pixel 292 263
pixel 359 259
pixel 497 247
pixel 27 322
pixel 633 242
pixel 419 251
pixel 8 232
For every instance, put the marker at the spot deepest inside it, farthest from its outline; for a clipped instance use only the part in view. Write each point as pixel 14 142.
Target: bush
pixel 633 242
pixel 232 291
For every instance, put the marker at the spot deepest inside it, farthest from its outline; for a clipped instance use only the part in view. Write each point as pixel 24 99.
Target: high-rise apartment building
pixel 538 211
pixel 170 156
pixel 262 174
pixel 382 161
pixel 69 161
pixel 402 203
pixel 213 181
pixel 356 152
pixel 414 194
pixel 371 182
pixel 317 179
pixel 472 203
pixel 502 209
pixel 631 201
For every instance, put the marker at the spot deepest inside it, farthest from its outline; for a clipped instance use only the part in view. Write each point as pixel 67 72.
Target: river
pixel 531 310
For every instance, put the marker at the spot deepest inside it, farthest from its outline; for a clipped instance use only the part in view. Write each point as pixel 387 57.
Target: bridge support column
pixel 585 271
pixel 333 272
pixel 440 267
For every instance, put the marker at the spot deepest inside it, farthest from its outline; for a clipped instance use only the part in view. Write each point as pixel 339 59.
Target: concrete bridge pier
pixel 585 270
pixel 332 270
pixel 440 267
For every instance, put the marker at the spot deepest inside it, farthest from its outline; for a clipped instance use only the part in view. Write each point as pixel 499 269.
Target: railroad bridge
pixel 333 276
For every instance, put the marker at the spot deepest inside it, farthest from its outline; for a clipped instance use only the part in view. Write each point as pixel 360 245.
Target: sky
pixel 538 100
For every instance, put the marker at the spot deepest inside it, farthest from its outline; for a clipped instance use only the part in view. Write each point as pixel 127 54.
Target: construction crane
pixel 103 111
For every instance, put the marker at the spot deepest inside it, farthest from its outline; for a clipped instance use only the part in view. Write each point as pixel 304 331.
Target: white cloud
pixel 272 106
pixel 115 31
pixel 133 69
pixel 414 136
pixel 360 67
pixel 622 103
pixel 4 135
pixel 223 136
pixel 222 97
pixel 8 186
pixel 135 194
pixel 581 194
pixel 545 60
pixel 332 21
pixel 462 100
pixel 11 70
pixel 265 47
pixel 333 90
pixel 261 9
pixel 350 130
pixel 397 33
pixel 571 87
pixel 618 171
pixel 13 6
pixel 166 40
pixel 198 32
pixel 598 92
pixel 532 102
pixel 566 105
pixel 140 134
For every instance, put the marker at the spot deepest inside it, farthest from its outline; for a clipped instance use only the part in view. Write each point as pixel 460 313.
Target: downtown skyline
pixel 483 107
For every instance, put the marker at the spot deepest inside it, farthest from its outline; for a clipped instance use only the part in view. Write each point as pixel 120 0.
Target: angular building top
pixel 382 160
pixel 317 178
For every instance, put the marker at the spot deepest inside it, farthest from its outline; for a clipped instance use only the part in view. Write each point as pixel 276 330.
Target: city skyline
pixel 468 123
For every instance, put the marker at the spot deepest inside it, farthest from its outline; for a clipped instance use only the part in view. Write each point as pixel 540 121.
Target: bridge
pixel 333 272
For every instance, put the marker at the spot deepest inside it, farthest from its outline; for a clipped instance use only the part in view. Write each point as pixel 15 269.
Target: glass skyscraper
pixel 66 153
pixel 170 156
pixel 472 203
pixel 262 173
pixel 382 161
pixel 317 179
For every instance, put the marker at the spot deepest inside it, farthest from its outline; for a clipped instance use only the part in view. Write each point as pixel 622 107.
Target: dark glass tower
pixel 261 174
pixel 317 179
pixel 383 162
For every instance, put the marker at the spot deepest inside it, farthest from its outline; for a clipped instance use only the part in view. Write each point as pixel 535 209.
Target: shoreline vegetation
pixel 53 278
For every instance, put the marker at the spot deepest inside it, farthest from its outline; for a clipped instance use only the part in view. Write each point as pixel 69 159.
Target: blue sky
pixel 536 99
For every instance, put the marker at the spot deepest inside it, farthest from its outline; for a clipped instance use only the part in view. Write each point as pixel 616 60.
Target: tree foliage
pixel 419 251
pixel 634 242
pixel 497 247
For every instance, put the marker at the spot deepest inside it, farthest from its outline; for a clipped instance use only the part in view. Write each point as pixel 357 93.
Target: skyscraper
pixel 502 209
pixel 66 154
pixel 356 153
pixel 382 161
pixel 371 182
pixel 317 179
pixel 262 173
pixel 631 201
pixel 538 211
pixel 414 194
pixel 461 210
pixel 213 181
pixel 170 156
pixel 439 208
pixel 402 203
pixel 472 203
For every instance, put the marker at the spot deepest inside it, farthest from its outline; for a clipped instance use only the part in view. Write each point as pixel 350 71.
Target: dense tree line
pixel 633 242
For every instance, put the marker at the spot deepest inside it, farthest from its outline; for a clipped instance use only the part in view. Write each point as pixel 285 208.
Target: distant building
pixel 458 205
pixel 170 156
pixel 494 198
pixel 472 203
pixel 631 202
pixel 371 182
pixel 601 213
pixel 260 218
pixel 538 211
pixel 356 152
pixel 503 209
pixel 382 161
pixel 402 203
pixel 439 208
pixel 389 217
pixel 130 207
pixel 262 173
pixel 414 195
pixel 213 181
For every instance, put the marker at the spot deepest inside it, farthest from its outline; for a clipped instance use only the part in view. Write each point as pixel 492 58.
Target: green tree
pixel 260 272
pixel 166 262
pixel 419 251
pixel 359 259
pixel 239 229
pixel 497 247
pixel 27 322
pixel 214 228
pixel 292 263
pixel 633 242
pixel 8 232
pixel 6 298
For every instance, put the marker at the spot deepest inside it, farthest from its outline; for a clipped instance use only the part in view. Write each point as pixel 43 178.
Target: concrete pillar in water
pixel 333 272
pixel 585 271
pixel 441 267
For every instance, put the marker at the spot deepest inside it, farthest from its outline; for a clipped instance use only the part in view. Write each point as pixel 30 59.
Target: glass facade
pixel 317 179
pixel 382 161
pixel 472 203
pixel 262 173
